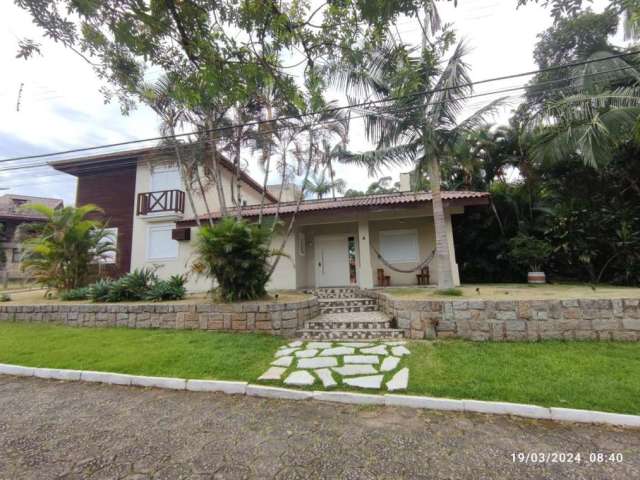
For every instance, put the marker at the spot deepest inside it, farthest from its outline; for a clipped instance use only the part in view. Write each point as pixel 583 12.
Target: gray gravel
pixel 75 430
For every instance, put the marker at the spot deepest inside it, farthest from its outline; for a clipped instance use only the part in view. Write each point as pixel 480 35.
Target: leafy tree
pixel 420 124
pixel 60 251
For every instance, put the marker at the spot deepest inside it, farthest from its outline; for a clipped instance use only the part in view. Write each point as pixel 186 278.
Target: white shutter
pixel 399 246
pixel 160 245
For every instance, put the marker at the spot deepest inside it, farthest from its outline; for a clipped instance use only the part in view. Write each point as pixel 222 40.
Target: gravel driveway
pixel 76 430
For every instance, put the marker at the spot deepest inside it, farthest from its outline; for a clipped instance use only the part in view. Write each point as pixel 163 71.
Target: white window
pixel 160 245
pixel 110 257
pixel 399 246
pixel 165 178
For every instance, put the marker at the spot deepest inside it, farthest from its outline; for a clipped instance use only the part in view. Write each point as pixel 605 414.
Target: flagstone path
pixel 330 364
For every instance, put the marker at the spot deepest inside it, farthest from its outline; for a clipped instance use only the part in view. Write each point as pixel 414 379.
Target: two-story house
pixel 362 241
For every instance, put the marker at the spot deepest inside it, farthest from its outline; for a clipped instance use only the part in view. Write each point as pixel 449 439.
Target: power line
pixel 169 148
pixel 328 110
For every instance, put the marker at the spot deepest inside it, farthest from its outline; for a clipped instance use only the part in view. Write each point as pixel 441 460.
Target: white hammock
pixel 420 266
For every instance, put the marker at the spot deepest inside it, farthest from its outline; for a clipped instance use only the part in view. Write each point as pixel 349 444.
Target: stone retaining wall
pixel 274 318
pixel 575 319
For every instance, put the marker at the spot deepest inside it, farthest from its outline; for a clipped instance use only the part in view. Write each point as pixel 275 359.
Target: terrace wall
pixel 574 319
pixel 274 318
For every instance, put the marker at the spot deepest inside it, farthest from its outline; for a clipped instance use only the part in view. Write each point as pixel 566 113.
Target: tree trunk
pixel 443 257
pixel 182 169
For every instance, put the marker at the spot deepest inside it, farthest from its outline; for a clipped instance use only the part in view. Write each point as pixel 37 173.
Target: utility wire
pixel 328 110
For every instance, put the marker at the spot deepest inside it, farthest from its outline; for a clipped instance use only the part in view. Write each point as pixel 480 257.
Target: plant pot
pixel 536 277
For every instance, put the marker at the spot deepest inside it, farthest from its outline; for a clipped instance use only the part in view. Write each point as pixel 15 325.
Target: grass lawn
pixel 167 353
pixel 516 291
pixel 590 375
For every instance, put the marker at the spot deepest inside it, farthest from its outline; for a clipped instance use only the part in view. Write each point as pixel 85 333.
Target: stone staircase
pixel 346 314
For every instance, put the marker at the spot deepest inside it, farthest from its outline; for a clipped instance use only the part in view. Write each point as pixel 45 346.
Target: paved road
pixel 75 430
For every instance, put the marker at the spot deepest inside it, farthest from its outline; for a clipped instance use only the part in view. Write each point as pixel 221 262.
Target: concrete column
pixel 365 279
pixel 452 251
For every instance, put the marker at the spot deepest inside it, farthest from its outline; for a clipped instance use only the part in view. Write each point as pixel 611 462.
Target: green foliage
pixel 5 297
pixel 60 252
pixel 529 251
pixel 141 284
pixel 81 293
pixel 449 292
pixel 235 253
pixel 99 291
pixel 164 290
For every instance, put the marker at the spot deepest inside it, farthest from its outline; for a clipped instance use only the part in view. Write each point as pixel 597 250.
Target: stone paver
pixel 366 359
pixel 283 362
pixel 273 373
pixel 319 345
pixel 389 364
pixel 355 370
pixel 306 353
pixel 371 381
pixel 317 362
pixel 285 351
pixel 399 351
pixel 326 377
pixel 300 377
pixel 399 381
pixel 338 351
pixel 347 359
pixel 377 350
pixel 74 430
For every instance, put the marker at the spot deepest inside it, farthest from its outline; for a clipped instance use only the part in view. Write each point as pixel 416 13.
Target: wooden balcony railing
pixel 161 202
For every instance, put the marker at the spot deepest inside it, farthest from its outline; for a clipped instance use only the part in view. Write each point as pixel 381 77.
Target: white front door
pixel 332 261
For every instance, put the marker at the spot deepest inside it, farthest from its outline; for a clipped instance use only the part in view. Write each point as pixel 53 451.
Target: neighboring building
pixel 333 243
pixel 12 214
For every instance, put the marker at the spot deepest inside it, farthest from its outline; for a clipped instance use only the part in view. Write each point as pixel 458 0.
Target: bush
pixel 75 294
pixel 235 253
pixel 163 290
pixel 138 285
pixel 529 251
pixel 4 297
pixel 99 291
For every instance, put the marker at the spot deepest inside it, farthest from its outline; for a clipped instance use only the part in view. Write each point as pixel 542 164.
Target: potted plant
pixel 530 252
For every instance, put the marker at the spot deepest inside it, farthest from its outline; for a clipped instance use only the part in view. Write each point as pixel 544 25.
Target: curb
pixel 391 400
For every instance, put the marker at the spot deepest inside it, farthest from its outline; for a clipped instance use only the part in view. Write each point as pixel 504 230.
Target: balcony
pixel 161 205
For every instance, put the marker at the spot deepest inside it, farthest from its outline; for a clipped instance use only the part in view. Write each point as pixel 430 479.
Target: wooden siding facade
pixel 113 190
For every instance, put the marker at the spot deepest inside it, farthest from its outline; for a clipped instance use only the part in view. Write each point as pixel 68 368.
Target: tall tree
pixel 419 124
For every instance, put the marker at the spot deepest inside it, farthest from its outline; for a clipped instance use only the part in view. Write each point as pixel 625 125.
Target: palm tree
pixel 602 110
pixel 320 185
pixel 59 252
pixel 420 123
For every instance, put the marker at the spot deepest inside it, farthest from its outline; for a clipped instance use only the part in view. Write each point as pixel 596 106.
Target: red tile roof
pixel 13 206
pixel 364 202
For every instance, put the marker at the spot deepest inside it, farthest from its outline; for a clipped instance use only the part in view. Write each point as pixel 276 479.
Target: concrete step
pixel 352 334
pixel 336 292
pixel 345 305
pixel 351 320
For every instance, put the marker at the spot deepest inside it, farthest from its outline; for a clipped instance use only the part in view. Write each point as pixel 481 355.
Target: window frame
pixel 395 258
pixel 161 227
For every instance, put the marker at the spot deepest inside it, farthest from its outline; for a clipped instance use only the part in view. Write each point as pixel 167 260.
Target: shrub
pixel 163 290
pixel 4 297
pixel 529 251
pixel 99 291
pixel 75 294
pixel 132 286
pixel 235 252
pixel 60 252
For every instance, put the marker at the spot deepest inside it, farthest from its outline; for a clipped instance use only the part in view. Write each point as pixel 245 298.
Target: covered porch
pixel 369 249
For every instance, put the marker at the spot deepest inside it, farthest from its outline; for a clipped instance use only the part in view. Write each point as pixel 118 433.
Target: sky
pixel 61 106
